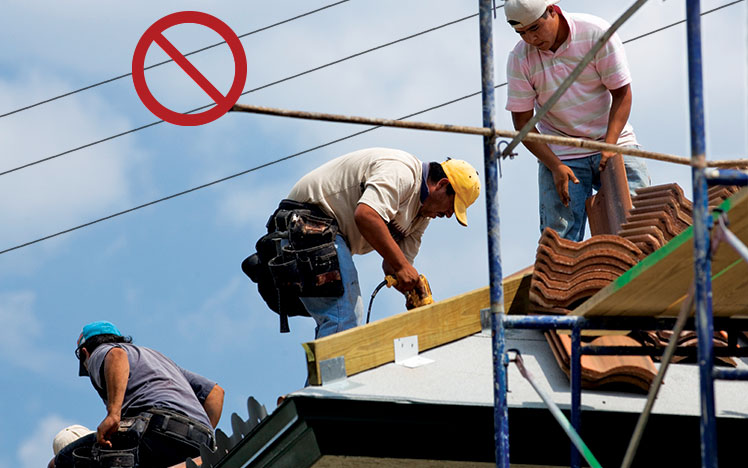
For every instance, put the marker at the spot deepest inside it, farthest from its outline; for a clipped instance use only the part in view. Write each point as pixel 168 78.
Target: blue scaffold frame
pixel 702 177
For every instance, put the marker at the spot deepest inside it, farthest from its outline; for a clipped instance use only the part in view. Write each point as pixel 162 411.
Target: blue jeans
pixel 570 221
pixel 335 314
pixel 155 450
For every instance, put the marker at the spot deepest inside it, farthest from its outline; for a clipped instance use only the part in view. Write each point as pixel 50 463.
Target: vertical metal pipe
pixel 702 263
pixel 576 390
pixel 501 387
pixel 500 360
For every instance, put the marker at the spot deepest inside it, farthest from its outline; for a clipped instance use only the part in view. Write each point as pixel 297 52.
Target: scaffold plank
pixel 657 285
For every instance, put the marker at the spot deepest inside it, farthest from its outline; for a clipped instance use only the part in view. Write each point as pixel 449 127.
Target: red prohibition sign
pixel 154 34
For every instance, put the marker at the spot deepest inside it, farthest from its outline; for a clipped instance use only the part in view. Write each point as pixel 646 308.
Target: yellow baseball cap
pixel 465 181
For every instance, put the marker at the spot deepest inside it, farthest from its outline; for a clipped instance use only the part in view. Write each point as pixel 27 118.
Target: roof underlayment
pixel 462 374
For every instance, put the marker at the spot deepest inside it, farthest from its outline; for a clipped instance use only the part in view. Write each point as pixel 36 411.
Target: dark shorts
pixel 165 442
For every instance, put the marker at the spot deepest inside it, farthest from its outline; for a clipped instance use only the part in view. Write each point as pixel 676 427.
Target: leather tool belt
pixel 176 424
pixel 296 258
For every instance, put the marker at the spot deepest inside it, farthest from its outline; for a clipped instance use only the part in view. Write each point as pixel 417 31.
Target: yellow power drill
pixel 413 298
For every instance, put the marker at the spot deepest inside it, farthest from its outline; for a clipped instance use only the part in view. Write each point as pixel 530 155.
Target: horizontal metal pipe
pixel 724 181
pixel 726 177
pixel 658 351
pixel 730 374
pixel 544 322
pixel 532 137
pixel 547 322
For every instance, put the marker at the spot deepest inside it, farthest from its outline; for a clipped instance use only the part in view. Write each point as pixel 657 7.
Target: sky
pixel 169 274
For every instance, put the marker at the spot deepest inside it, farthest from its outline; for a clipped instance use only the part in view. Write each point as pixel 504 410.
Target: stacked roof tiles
pixel 686 339
pixel 604 371
pixel 566 273
pixel 662 212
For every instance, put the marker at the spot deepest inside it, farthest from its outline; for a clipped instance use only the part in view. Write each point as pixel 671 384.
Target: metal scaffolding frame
pixel 701 177
pixel 704 173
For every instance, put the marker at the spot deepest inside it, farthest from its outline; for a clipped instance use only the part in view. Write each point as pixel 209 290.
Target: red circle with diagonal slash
pixel 154 34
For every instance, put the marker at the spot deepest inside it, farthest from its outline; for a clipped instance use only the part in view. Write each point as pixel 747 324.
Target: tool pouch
pixel 296 258
pixel 285 274
pixel 123 454
pixel 320 271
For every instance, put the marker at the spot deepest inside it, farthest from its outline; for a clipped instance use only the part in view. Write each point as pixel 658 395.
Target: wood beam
pixel 372 345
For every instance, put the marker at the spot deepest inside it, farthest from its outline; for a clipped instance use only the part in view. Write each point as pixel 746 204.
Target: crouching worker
pixel 158 414
pixel 373 199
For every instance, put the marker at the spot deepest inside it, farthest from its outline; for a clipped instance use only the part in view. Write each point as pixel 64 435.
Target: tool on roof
pixel 416 297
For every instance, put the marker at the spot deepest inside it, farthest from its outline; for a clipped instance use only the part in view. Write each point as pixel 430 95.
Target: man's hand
pixel 407 278
pixel 106 429
pixel 604 156
pixel 562 174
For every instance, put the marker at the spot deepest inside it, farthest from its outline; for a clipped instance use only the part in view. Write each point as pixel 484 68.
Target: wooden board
pixel 372 345
pixel 657 285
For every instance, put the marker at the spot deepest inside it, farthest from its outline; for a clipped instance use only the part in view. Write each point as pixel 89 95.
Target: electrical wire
pixel 273 83
pixel 143 127
pixel 681 21
pixel 224 179
pixel 264 28
pixel 262 166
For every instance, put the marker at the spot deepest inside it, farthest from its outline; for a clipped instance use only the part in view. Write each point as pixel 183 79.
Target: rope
pixel 483 131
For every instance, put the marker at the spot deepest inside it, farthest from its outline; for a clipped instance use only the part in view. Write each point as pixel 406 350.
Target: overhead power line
pixel 264 28
pixel 329 64
pixel 262 166
pixel 224 179
pixel 273 83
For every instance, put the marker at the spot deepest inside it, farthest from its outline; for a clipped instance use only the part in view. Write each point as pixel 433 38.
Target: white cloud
pixel 22 330
pixel 75 188
pixel 36 450
pixel 223 317
pixel 243 207
pixel 20 325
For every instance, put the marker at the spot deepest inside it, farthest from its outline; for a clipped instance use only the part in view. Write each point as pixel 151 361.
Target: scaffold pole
pixel 701 221
pixel 500 360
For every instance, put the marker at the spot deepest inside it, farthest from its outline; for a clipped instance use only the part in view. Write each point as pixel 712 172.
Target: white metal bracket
pixel 406 352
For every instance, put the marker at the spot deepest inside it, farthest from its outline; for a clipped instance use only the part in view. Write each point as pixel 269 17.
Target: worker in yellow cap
pixel 378 199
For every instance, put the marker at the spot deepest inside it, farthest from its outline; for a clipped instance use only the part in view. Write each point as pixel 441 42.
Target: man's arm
pixel 116 373
pixel 620 109
pixel 375 231
pixel 214 405
pixel 562 174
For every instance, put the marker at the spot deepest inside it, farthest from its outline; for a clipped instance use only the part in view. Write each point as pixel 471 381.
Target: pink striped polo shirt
pixel 533 76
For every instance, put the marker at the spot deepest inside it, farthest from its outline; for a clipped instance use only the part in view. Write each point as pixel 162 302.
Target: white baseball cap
pixel 522 13
pixel 69 435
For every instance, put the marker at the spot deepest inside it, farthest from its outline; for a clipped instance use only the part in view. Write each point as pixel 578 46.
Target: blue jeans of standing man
pixel 570 221
pixel 335 314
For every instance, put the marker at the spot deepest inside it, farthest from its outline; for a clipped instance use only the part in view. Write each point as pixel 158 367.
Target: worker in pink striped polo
pixel 596 106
